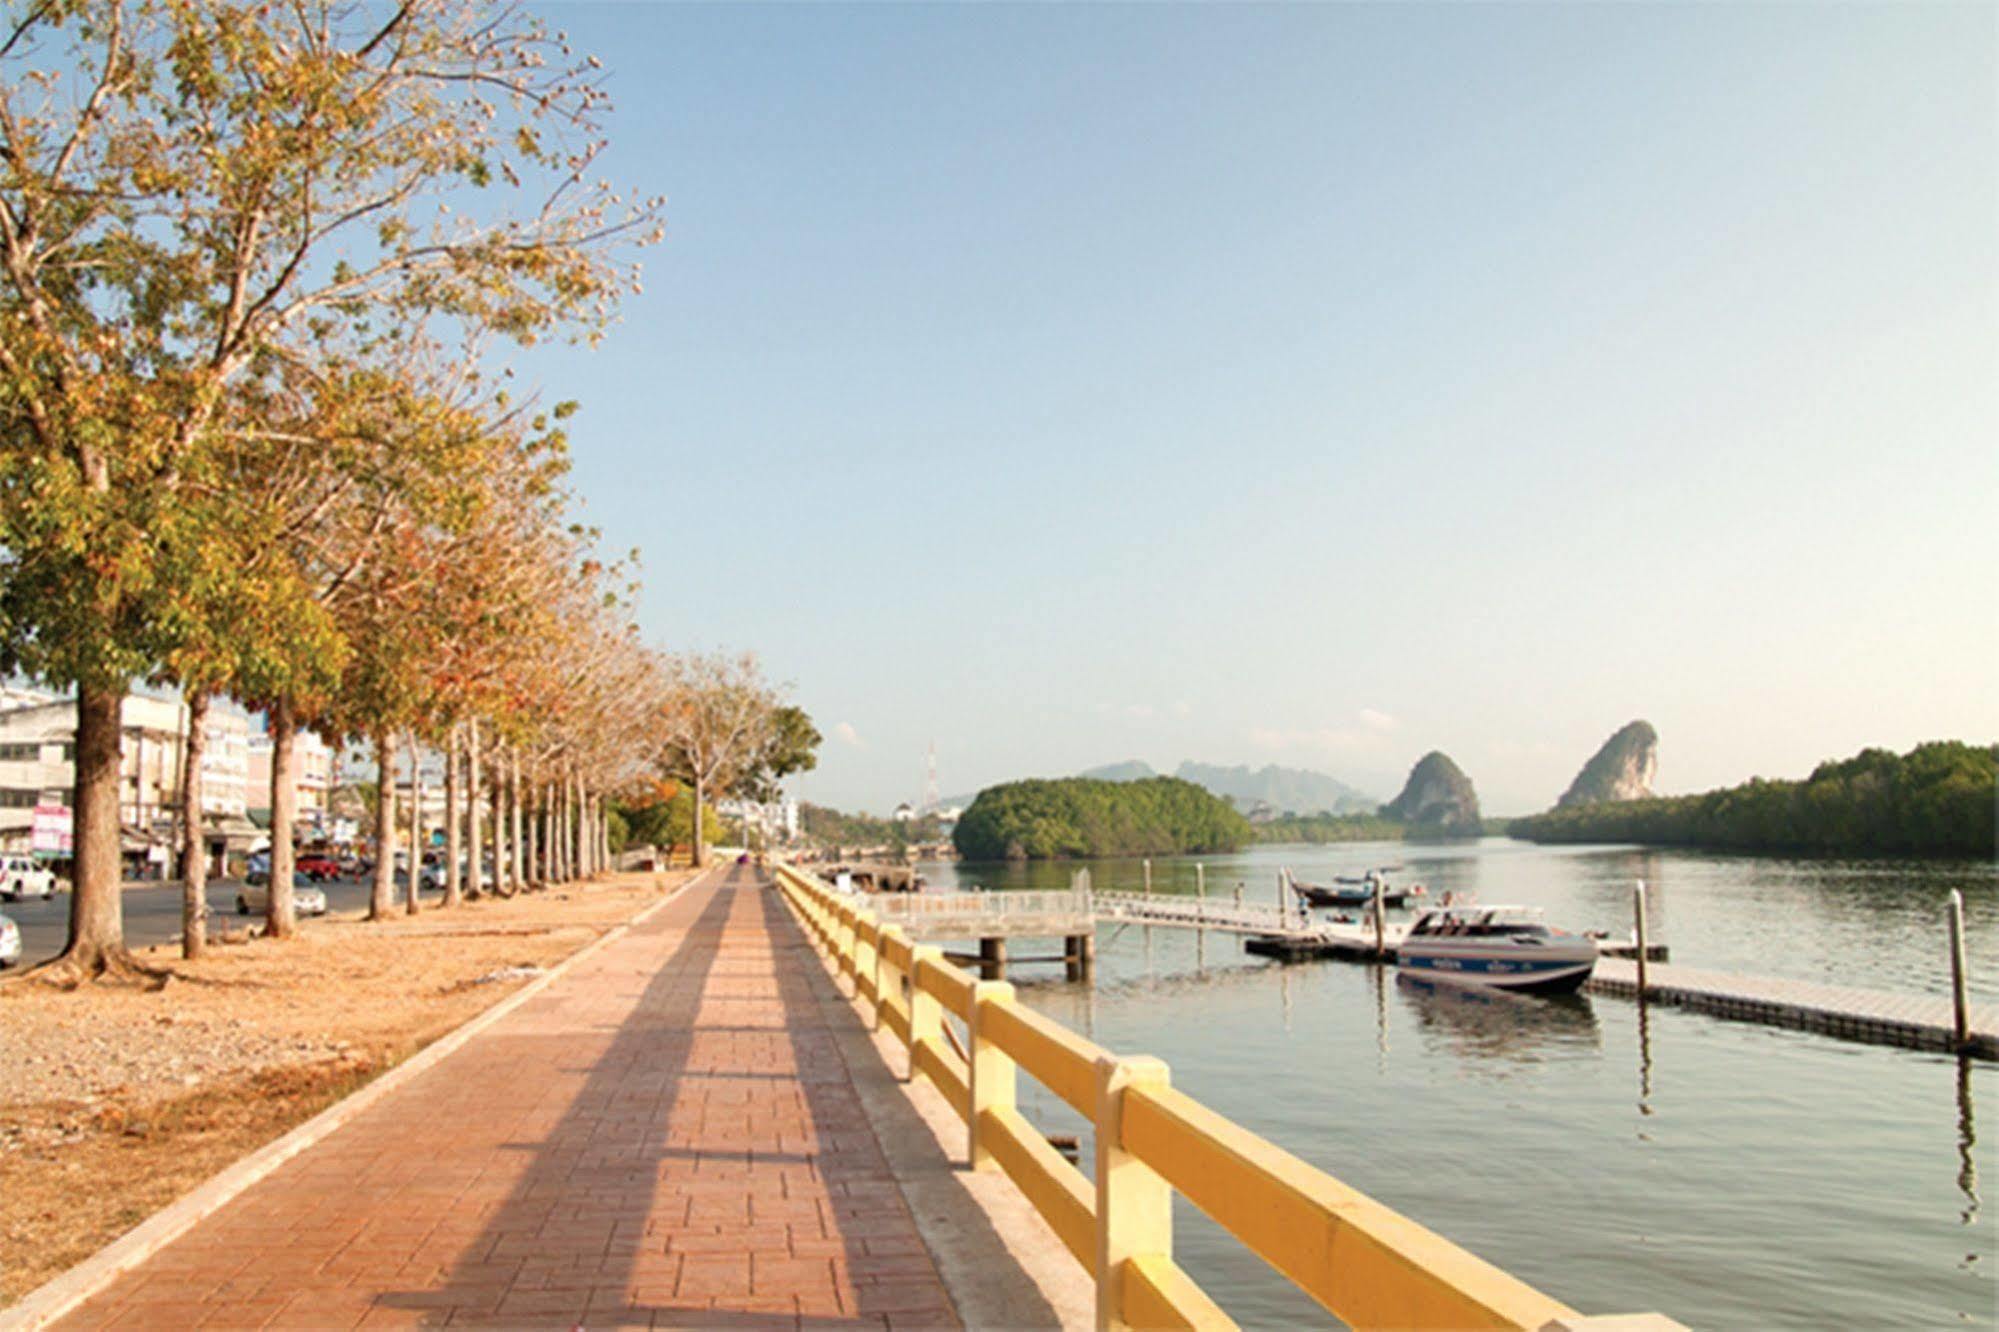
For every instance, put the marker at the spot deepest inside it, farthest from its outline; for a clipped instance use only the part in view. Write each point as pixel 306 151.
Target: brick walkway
pixel 665 1137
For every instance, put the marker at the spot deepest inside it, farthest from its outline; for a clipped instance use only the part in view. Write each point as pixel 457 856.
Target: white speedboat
pixel 1506 947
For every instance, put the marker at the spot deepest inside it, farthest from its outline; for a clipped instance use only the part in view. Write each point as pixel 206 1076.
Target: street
pixel 152 913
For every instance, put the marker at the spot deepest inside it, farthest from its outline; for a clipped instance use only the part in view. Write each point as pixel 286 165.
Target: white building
pixel 38 768
pixel 776 820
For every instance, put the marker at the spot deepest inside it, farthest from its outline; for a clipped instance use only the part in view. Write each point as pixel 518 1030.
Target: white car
pixel 21 876
pixel 256 896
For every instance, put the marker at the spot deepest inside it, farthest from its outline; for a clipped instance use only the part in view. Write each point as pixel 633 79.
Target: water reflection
pixel 1644 1057
pixel 1967 1143
pixel 1498 1027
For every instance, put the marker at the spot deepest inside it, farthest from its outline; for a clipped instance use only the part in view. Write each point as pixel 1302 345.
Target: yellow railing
pixel 1367 1264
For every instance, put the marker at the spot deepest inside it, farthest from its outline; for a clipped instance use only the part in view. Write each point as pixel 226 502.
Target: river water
pixel 1724 1173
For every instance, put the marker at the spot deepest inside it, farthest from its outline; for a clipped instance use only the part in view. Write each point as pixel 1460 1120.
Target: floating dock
pixel 1924 1022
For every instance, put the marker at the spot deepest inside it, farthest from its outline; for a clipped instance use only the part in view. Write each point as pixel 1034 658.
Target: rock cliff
pixel 1438 799
pixel 1622 770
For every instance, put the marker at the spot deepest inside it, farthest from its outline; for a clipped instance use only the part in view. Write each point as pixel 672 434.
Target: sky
pixel 1312 384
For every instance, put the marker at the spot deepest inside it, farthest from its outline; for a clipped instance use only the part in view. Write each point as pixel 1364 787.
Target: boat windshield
pixel 1476 922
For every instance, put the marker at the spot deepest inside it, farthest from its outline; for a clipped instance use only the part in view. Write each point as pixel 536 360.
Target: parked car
pixel 22 876
pixel 255 896
pixel 318 868
pixel 10 942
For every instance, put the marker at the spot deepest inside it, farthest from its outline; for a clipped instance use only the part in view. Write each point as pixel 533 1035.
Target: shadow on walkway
pixel 714 1168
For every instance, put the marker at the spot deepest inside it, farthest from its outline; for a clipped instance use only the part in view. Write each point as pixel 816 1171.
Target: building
pixel 775 820
pixel 38 773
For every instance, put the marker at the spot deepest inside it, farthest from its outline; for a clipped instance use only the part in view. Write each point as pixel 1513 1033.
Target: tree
pixel 716 722
pixel 195 193
pixel 791 747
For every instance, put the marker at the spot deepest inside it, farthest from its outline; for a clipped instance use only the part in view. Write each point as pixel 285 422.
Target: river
pixel 1724 1173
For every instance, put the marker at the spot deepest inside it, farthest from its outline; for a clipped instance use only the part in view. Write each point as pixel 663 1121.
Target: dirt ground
pixel 115 1099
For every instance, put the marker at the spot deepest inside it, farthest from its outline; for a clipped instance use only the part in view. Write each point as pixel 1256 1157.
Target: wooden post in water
pixel 1638 932
pixel 1201 935
pixel 1380 929
pixel 1148 878
pixel 1960 1003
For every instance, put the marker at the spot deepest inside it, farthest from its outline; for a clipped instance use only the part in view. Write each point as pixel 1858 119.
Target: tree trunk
pixel 569 825
pixel 475 869
pixel 382 901
pixel 697 841
pixel 499 829
pixel 417 840
pixel 514 820
pixel 96 910
pixel 194 848
pixel 585 863
pixel 280 919
pixel 454 840
pixel 531 831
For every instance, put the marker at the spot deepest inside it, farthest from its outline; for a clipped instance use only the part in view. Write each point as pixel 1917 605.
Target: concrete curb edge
pixel 61 1294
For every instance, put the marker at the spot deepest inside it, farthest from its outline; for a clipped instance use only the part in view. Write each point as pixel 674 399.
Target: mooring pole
pixel 1960 1002
pixel 1380 928
pixel 1638 933
pixel 1148 878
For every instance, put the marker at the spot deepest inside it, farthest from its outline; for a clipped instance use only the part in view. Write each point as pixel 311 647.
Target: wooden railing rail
pixel 1366 1263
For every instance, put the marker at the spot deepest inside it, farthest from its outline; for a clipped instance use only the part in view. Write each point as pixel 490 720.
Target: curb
pixel 60 1295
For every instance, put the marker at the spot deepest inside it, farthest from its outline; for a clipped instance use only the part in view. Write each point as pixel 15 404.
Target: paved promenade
pixel 667 1136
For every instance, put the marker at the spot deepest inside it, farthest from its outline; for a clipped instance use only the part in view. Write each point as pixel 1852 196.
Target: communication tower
pixel 930 796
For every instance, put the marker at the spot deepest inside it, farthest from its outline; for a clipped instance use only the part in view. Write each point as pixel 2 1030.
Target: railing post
pixel 926 1015
pixel 867 932
pixel 885 970
pixel 992 1071
pixel 1134 1204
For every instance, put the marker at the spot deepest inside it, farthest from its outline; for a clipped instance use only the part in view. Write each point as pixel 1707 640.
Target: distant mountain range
pixel 1280 790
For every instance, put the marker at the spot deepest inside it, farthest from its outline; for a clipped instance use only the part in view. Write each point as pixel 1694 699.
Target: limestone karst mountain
pixel 1438 800
pixel 1622 769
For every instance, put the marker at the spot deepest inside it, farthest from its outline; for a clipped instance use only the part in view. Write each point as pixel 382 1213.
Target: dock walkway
pixel 668 1135
pixel 1923 1021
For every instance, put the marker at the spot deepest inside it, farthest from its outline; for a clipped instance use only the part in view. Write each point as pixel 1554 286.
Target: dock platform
pixel 1922 1021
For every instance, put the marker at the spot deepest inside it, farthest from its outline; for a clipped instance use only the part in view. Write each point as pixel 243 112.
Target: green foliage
pixel 1936 800
pixel 666 822
pixel 1078 816
pixel 792 746
pixel 1318 828
pixel 832 827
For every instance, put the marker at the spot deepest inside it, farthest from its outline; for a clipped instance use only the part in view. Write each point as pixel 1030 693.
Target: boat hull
pixel 1334 897
pixel 1499 971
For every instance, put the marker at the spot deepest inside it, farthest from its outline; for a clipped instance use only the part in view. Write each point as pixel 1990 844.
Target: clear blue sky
pixel 1313 384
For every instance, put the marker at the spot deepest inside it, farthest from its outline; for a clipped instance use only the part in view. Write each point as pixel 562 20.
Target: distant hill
pixel 1282 790
pixel 1622 770
pixel 1437 801
pixel 1079 816
pixel 1936 800
pixel 1131 770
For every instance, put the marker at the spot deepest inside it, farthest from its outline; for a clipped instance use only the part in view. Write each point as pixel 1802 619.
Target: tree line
pixel 1081 816
pixel 255 264
pixel 1936 800
pixel 1324 827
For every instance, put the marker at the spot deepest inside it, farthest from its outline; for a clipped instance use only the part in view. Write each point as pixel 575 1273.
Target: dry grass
pixel 117 1099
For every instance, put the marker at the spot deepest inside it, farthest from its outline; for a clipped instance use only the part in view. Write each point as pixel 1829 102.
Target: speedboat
pixel 1506 947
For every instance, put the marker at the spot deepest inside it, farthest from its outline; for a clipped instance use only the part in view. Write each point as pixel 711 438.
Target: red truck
pixel 318 868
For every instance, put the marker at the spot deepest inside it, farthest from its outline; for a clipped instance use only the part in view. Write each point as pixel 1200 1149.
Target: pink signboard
pixel 50 833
